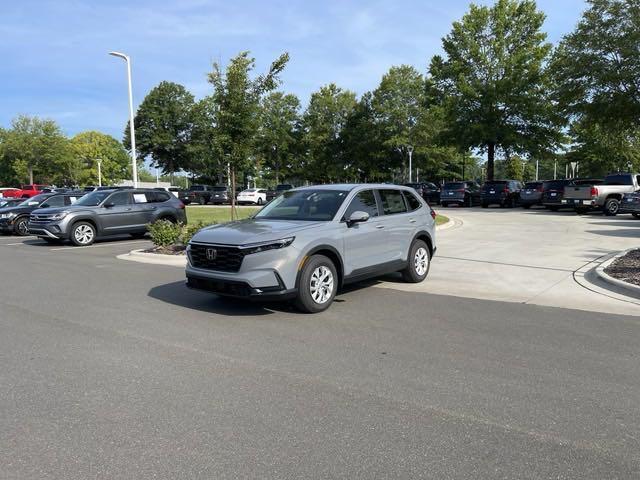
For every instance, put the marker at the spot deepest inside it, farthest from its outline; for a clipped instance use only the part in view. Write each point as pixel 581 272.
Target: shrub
pixel 189 230
pixel 165 233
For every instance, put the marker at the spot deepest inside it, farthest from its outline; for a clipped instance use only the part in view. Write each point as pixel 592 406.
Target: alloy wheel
pixel 83 234
pixel 321 285
pixel 421 261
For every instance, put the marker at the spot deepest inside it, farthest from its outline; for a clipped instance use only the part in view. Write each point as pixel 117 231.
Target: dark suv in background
pixel 106 212
pixel 200 194
pixel 427 190
pixel 505 193
pixel 15 219
pixel 465 194
pixel 531 194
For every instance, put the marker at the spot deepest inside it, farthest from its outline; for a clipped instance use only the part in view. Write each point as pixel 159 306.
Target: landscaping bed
pixel 627 268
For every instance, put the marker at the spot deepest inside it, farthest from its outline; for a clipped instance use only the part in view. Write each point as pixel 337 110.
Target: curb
pixel 453 222
pixel 600 273
pixel 154 258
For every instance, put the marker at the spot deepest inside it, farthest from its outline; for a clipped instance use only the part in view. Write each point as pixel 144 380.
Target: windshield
pixel 93 199
pixel 313 205
pixel 37 200
pixel 197 188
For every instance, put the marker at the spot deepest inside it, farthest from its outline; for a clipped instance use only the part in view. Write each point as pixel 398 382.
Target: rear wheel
pixel 444 204
pixel 485 205
pixel 318 285
pixel 202 201
pixel 468 202
pixel 83 234
pixel 21 227
pixel 138 234
pixel 636 216
pixel 611 207
pixel 526 205
pixel 418 263
pixel 259 202
pixel 554 208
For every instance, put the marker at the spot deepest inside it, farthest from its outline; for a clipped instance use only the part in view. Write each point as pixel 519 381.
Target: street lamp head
pixel 120 55
pixel 410 148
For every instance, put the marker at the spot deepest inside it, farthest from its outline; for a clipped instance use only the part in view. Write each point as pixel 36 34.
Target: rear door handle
pixel 379 227
pixel 412 220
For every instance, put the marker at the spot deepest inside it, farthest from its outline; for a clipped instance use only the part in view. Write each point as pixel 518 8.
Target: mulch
pixel 626 268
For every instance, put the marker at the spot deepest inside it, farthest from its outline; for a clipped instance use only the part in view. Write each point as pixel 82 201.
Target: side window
pixel 161 197
pixel 364 201
pixel 120 198
pixel 412 202
pixel 57 201
pixel 70 200
pixel 392 202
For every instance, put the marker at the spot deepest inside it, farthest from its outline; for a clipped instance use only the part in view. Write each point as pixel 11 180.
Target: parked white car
pixel 256 196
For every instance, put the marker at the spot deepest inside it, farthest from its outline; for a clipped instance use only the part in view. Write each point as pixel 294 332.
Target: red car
pixel 9 192
pixel 29 191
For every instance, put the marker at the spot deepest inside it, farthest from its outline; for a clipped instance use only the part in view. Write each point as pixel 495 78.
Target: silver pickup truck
pixel 605 196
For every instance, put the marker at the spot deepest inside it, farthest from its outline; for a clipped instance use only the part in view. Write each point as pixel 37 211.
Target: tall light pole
pixel 134 164
pixel 99 160
pixel 410 150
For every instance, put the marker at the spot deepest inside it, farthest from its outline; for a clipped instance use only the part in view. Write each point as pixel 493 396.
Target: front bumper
pixel 49 229
pixel 239 289
pixel 6 226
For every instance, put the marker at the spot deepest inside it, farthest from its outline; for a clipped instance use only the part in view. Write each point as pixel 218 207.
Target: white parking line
pixel 112 244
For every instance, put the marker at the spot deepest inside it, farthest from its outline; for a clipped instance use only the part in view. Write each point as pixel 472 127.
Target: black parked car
pixel 465 194
pixel 505 193
pixel 200 194
pixel 427 190
pixel 10 202
pixel 553 191
pixel 16 219
pixel 279 190
pixel 631 204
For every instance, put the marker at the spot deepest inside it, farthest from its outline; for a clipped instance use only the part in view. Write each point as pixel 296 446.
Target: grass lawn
pixel 212 214
pixel 222 214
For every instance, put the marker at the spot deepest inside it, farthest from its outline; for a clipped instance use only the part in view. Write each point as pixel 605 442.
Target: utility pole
pixel 99 160
pixel 410 150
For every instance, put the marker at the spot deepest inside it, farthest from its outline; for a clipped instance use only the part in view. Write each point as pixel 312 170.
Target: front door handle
pixel 412 220
pixel 379 227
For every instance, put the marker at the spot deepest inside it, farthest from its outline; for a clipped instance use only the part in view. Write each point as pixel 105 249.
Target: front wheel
pixel 636 216
pixel 259 202
pixel 83 234
pixel 418 263
pixel 21 227
pixel 318 285
pixel 611 207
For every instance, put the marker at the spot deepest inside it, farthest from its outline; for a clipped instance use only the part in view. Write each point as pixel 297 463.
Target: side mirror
pixel 357 217
pixel 44 205
pixel 109 205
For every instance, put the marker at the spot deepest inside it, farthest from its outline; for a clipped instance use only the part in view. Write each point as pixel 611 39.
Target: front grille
pixel 39 218
pixel 225 259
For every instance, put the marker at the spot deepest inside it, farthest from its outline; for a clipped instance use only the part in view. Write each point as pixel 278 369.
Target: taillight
pixel 540 189
pixel 506 189
pixel 181 206
pixel 594 192
pixel 461 190
pixel 433 214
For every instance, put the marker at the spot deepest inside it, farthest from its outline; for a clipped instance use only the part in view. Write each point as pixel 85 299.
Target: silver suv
pixel 106 212
pixel 308 242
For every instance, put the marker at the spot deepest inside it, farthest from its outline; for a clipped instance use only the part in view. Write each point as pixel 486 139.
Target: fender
pixel 337 255
pixel 424 233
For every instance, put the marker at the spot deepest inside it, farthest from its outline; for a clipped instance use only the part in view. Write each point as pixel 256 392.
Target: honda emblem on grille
pixel 212 253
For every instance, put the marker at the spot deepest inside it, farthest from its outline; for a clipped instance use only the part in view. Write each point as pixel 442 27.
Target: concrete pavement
pixel 114 369
pixel 529 256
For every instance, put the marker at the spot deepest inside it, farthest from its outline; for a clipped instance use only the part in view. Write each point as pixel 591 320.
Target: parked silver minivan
pixel 308 242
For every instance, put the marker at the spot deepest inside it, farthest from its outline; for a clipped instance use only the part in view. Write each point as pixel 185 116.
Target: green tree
pixel 493 82
pixel 207 160
pixel 88 148
pixel 37 149
pixel 237 98
pixel 324 121
pixel 597 66
pixel 163 127
pixel 279 133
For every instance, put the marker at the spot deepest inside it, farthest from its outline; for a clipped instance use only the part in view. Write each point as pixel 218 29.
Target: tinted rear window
pixel 197 188
pixel 533 185
pixel 454 186
pixel 618 180
pixel 219 189
pixel 555 185
pixel 412 201
pixel 495 184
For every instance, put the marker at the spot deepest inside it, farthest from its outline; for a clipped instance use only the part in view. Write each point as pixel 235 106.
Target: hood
pixel 17 210
pixel 252 231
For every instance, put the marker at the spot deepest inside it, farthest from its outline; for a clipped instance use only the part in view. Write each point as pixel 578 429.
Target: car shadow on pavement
pixel 178 294
pixel 621 232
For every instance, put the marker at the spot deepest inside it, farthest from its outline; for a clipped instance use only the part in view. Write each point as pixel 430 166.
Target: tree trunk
pixel 491 154
pixel 30 175
pixel 277 173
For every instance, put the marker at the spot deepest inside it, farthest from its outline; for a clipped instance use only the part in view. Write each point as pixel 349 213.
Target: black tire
pixel 444 205
pixel 636 216
pixel 202 201
pixel 611 207
pixel 526 206
pixel 259 202
pixel 485 205
pixel 21 226
pixel 309 301
pixel 554 208
pixel 468 202
pixel 82 234
pixel 138 234
pixel 418 262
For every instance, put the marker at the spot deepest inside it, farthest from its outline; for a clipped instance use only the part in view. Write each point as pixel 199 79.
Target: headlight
pixel 8 215
pixel 60 215
pixel 264 246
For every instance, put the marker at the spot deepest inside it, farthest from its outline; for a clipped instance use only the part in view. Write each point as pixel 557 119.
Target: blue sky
pixel 55 62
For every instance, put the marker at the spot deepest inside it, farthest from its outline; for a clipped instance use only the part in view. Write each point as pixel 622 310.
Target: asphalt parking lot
pixel 114 369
